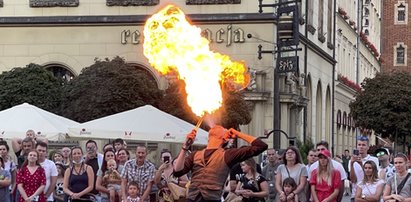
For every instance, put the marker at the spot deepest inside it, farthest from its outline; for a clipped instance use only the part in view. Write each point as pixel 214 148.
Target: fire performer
pixel 211 165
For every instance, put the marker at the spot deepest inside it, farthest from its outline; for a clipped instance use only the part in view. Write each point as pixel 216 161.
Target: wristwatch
pixel 363 196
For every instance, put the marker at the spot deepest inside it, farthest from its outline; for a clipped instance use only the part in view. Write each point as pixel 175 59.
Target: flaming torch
pixel 172 44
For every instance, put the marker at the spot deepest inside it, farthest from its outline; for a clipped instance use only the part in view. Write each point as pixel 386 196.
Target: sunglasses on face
pixel 381 153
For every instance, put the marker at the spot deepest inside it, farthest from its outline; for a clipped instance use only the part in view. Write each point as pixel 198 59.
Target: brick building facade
pixel 396 36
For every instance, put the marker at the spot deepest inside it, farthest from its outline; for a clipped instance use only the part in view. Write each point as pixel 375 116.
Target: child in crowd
pixel 289 186
pixel 113 179
pixel 133 191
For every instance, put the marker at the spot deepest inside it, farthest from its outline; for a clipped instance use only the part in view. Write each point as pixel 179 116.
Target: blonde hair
pixel 328 170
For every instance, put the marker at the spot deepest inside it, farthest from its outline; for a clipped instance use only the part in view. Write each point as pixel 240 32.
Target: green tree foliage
pixel 305 148
pixel 108 87
pixel 384 104
pixel 32 84
pixel 234 112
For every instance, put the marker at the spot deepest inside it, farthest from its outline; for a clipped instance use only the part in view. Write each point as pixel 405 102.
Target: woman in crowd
pixel 164 175
pixel 79 178
pixel 58 192
pixel 57 157
pixel 5 181
pixel 253 187
pixel 398 187
pixel 101 185
pixel 292 167
pixel 370 188
pixel 325 181
pixel 31 179
pixel 8 163
pixel 122 157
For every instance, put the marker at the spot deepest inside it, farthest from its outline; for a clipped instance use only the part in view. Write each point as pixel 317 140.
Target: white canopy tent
pixel 145 123
pixel 15 121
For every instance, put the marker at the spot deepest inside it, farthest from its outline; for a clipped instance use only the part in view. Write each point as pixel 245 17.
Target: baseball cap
pixel 325 152
pixel 381 151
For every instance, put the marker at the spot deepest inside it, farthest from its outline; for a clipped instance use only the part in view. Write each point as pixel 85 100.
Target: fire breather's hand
pixel 231 134
pixel 190 138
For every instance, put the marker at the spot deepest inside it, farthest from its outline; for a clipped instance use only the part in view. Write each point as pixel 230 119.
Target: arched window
pixel 400 54
pixel 344 119
pixel 339 118
pixel 60 71
pixel 401 12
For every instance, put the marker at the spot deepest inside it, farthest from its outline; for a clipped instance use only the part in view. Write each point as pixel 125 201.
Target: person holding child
pixel 325 181
pixel 103 179
pixel 292 167
pixel 113 179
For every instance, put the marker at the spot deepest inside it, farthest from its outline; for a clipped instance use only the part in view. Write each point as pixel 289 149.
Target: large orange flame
pixel 172 44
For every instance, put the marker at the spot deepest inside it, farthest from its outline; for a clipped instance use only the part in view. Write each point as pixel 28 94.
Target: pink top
pixel 323 190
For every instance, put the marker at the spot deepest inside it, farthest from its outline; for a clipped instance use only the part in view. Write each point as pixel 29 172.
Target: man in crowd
pixel 386 169
pixel 357 161
pixel 93 159
pixel 66 155
pixel 50 170
pixel 311 158
pixel 17 143
pixel 138 170
pixel 269 172
pixel 323 145
pixel 27 146
pixel 210 165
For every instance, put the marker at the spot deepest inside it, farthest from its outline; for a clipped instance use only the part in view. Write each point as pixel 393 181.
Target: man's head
pixel 362 145
pixel 312 156
pixel 346 152
pixel 41 148
pixel 383 154
pixel 118 144
pixel 30 133
pixel 91 148
pixel 271 156
pixel 215 136
pixel 66 152
pixel 27 145
pixel 322 145
pixel 141 153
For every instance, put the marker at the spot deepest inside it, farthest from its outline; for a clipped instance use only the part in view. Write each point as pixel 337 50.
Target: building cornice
pixel 115 20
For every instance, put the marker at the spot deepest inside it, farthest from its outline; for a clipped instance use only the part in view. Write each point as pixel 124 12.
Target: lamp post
pixel 290 139
pixel 287 41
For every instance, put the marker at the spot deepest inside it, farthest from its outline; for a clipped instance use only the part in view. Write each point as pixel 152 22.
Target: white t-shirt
pixel 369 189
pixel 51 171
pixel 359 173
pixel 336 165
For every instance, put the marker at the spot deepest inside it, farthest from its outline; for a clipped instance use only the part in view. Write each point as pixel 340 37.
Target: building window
pixel 400 54
pixel 401 12
pixel 366 12
pixel 60 71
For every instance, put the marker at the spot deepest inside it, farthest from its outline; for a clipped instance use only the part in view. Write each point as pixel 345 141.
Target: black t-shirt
pixel 254 186
pixel 236 172
pixel 94 164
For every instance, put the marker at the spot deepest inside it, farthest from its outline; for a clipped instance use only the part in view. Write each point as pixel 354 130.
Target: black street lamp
pixel 287 41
